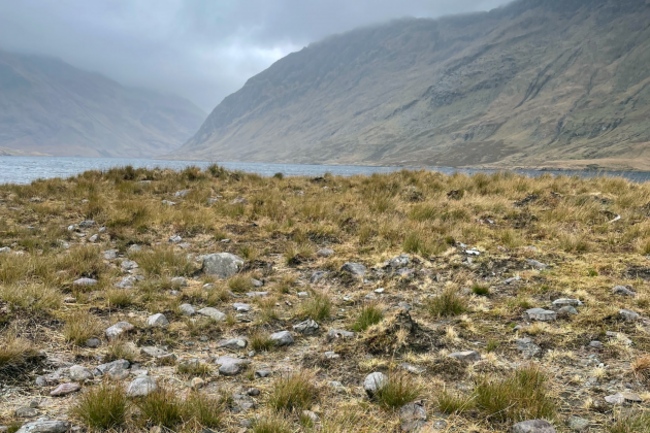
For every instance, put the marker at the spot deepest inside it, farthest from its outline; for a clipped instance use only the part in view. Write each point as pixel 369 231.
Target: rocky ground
pixel 405 302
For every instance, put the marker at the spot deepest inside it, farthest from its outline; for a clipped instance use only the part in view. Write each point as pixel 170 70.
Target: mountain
pixel 50 107
pixel 556 83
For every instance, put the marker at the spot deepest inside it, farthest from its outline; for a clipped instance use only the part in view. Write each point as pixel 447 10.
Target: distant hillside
pixel 50 107
pixel 534 83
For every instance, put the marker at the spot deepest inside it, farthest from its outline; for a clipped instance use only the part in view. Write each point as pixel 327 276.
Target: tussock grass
pixel 102 407
pixel 448 303
pixel 295 392
pixel 192 369
pixel 318 307
pixel 163 261
pixel 454 403
pixel 369 315
pixel 272 423
pixel 399 390
pixel 80 326
pixel 203 410
pixel 119 349
pixel 162 407
pixel 33 297
pixel 240 284
pixel 261 342
pixel 635 422
pixel 17 357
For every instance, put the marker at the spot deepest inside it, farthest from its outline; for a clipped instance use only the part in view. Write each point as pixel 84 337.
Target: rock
pixel 86 224
pixel 335 334
pixel 567 302
pixel 623 290
pixel 175 239
pixel 126 282
pixel 355 269
pixel 168 203
pixel 212 201
pixel 128 265
pixel 26 412
pixel 212 313
pixel 595 344
pixel 110 254
pixel 303 295
pixel 576 423
pixel 629 315
pixel 533 426
pixel 222 265
pixel 512 280
pixel 178 282
pixel 65 389
pixel 528 348
pixel 413 369
pixel 93 342
pixel 470 355
pixel 84 282
pixel 567 311
pixel 400 261
pixel 187 310
pixel 241 307
pixel 233 343
pixel 263 373
pixel 540 315
pixel 537 265
pixel 257 283
pixel 157 320
pixel 331 355
pixel 405 273
pixel 623 397
pixel 78 373
pixel 48 379
pixel 310 417
pixel 135 248
pixel 373 382
pixel 114 367
pixel 182 193
pixel 197 383
pixel 412 417
pixel 308 327
pixel 256 294
pixel 405 305
pixel 118 329
pixel 45 426
pixel 325 252
pixel 5 250
pixel 153 352
pixel 229 369
pixel 282 338
pixel 94 238
pixel 317 276
pixel 142 386
pixel 240 200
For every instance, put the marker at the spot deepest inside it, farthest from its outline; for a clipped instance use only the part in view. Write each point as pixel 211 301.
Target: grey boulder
pixel 118 329
pixel 222 265
pixel 540 315
pixel 374 382
pixel 142 386
pixel 470 355
pixel 308 327
pixel 412 417
pixel 533 426
pixel 282 338
pixel 212 313
pixel 78 373
pixel 45 426
pixel 355 269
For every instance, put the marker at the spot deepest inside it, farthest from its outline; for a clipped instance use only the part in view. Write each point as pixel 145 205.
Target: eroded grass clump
pixel 103 407
pixel 18 357
pixel 295 392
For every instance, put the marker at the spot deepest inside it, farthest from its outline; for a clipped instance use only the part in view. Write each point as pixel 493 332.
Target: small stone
pixel 157 320
pixel 110 254
pixel 26 412
pixel 308 327
pixel 404 305
pixel 175 239
pixel 533 426
pixel 93 342
pixel 629 315
pixel 512 280
pixel 182 193
pixel 112 367
pixel 5 250
pixel 335 334
pixel 253 392
pixel 212 201
pixel 379 291
pixel 240 200
pixel 310 416
pixel 229 369
pixel 263 373
pixel 564 302
pixel 187 310
pixel 412 417
pixel 79 373
pixel 576 423
pixel 373 382
pixel 331 355
pixel 65 389
pixel 135 248
pixel 45 426
pixel 128 265
pixel 567 311
pixel 370 296
pixel 257 294
pixel 325 252
pixel 241 307
pixel 118 329
pixel 528 348
pixel 86 224
pixel 257 283
pixel 178 282
pixel 413 369
pixel 540 315
pixel 282 338
pixel 84 282
pixel 537 265
pixel 212 313
pixel 94 238
pixel 622 397
pixel 63 244
pixel 595 344
pixel 222 265
pixel 223 360
pixel 355 269
pixel 126 282
pixel 168 203
pixel 615 399
pixel 470 355
pixel 317 276
pixel 197 383
pixel 624 291
pixel 303 295
pixel 153 352
pixel 142 386
pixel 234 343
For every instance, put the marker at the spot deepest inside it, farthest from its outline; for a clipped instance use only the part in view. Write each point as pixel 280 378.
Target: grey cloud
pixel 200 49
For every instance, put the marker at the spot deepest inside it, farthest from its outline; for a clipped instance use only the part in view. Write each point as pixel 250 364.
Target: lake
pixel 25 169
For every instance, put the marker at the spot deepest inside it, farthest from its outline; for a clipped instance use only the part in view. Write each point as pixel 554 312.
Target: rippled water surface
pixel 19 169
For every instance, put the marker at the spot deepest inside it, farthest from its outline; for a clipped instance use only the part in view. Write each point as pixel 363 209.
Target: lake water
pixel 24 169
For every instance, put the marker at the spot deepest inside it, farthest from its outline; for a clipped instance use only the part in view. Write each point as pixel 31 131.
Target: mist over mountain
pixel 50 107
pixel 533 83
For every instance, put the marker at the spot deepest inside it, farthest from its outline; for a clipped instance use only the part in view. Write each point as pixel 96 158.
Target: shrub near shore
pixel 476 302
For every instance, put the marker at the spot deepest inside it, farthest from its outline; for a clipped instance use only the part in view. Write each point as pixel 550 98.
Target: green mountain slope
pixel 50 107
pixel 534 83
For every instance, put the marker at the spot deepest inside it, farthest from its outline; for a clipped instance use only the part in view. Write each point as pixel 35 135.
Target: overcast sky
pixel 199 49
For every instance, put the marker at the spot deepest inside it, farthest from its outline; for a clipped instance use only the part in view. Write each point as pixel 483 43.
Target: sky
pixel 202 50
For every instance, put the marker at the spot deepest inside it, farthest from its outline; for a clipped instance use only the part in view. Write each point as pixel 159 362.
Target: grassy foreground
pixel 482 251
